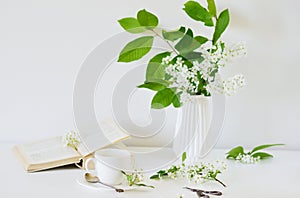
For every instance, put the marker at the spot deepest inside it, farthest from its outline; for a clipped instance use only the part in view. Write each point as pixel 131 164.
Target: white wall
pixel 43 43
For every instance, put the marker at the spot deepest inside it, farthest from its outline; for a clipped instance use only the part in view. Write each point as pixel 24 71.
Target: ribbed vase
pixel 193 124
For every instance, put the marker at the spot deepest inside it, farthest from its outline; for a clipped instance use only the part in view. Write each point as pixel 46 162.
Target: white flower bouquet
pixel 193 64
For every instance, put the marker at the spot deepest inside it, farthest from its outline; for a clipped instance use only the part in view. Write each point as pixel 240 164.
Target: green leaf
pixel 183 157
pixel 173 169
pixel 213 72
pixel 154 177
pixel 129 178
pixel 201 39
pixel 201 89
pixel 198 13
pixel 235 151
pixel 176 101
pixel 212 8
pixel 147 19
pixel 187 43
pixel 222 46
pixel 162 98
pixel 156 70
pixel 262 155
pixel 144 185
pixel 136 49
pixel 152 86
pixel 230 156
pixel 131 25
pixel 264 147
pixel 221 25
pixel 215 174
pixel 193 56
pixel 173 35
pixel 161 172
pixel 194 45
pixel 160 81
pixel 186 61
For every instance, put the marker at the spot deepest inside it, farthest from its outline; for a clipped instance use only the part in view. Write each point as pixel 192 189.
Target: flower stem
pixel 220 182
pixel 173 49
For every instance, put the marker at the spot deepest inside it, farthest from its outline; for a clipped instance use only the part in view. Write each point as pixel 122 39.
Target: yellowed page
pixel 43 153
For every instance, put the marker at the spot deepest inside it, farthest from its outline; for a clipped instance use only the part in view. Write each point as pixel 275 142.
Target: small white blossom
pixel 71 139
pixel 247 159
pixel 231 85
pixel 179 61
pixel 166 60
pixel 236 51
pixel 137 176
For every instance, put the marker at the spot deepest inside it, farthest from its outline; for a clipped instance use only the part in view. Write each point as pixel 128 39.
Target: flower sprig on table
pixel 71 139
pixel 197 173
pixel 192 64
pixel 135 178
pixel 252 156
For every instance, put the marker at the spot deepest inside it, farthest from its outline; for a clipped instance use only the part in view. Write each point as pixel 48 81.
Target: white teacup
pixel 109 163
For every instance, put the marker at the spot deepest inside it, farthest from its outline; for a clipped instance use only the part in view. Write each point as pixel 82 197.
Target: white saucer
pixel 97 186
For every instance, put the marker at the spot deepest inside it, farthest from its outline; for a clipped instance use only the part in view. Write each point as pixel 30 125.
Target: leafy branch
pixel 252 156
pixel 135 179
pixel 182 43
pixel 72 140
pixel 198 172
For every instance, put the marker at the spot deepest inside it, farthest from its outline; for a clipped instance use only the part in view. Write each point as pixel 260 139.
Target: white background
pixel 43 43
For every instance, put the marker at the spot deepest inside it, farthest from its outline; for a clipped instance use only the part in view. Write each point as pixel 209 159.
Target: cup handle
pixel 87 162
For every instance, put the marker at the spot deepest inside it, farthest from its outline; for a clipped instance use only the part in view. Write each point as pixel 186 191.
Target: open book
pixel 51 152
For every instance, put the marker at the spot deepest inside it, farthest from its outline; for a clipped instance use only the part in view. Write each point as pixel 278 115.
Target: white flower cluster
pixel 217 57
pixel 208 170
pixel 71 139
pixel 135 178
pixel 202 172
pixel 138 176
pixel 247 159
pixel 182 78
pixel 229 86
pixel 185 79
pixel 235 51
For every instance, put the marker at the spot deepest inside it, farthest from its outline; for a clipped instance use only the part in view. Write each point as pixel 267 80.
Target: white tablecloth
pixel 278 177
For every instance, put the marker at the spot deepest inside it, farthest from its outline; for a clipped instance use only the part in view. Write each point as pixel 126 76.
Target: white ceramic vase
pixel 192 127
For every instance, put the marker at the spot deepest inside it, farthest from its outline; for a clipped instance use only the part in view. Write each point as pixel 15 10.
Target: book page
pixel 112 131
pixel 110 134
pixel 48 150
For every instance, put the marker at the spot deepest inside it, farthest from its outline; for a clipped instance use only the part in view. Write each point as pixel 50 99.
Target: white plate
pixel 97 186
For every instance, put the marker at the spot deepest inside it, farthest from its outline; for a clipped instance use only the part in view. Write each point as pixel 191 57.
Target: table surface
pixel 277 177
